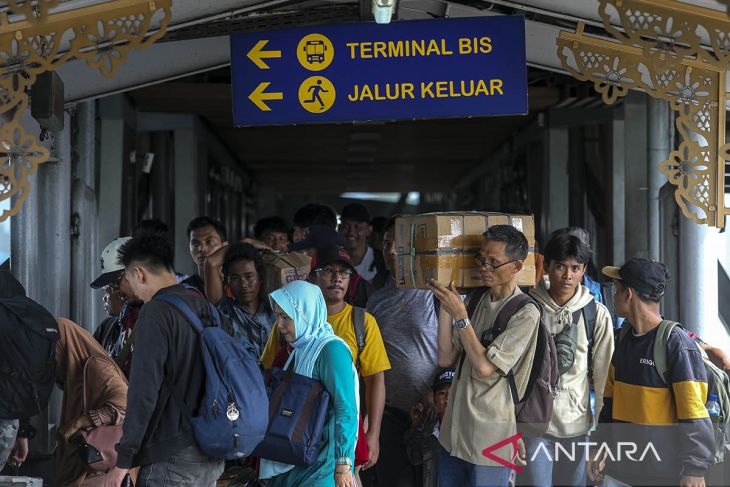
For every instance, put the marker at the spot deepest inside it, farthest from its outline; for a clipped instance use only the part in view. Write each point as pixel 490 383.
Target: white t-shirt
pixel 364 267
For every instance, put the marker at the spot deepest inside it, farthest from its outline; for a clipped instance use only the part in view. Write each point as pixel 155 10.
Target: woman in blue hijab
pixel 301 317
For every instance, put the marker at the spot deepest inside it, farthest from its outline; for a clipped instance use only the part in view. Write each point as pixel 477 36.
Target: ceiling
pixel 430 155
pixel 427 156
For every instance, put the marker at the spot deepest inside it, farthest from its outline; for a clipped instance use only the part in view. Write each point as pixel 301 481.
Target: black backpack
pixel 28 336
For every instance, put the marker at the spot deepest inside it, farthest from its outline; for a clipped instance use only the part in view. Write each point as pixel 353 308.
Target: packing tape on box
pixel 515 222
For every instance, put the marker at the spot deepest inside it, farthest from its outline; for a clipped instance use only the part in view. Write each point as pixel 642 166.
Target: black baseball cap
pixel 444 377
pixel 318 236
pixel 329 255
pixel 645 275
pixel 356 212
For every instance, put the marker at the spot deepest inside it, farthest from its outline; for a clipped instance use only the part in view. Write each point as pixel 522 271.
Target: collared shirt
pixel 252 330
pixel 481 412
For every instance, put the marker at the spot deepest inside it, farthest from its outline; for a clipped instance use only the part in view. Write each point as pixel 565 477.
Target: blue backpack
pixel 232 416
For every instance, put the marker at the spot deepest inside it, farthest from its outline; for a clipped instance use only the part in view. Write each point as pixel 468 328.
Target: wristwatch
pixel 461 324
pixel 343 461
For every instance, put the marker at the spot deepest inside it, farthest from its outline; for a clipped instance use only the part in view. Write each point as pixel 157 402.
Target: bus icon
pixel 315 51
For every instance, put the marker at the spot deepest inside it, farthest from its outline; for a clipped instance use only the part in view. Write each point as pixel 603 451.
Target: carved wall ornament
pixel 33 10
pixel 100 34
pixel 669 31
pixel 20 156
pixel 693 88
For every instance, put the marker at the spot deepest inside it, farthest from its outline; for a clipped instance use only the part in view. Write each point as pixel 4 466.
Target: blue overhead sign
pixel 404 70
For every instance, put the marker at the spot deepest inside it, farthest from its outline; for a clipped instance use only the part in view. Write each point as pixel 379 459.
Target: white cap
pixel 111 269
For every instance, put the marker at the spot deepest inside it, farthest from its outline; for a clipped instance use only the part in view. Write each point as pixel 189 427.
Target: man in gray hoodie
pixel 583 333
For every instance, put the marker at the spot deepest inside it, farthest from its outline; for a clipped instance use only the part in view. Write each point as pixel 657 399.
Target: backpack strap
pixel 358 323
pixel 660 348
pixel 508 311
pixel 500 323
pixel 589 312
pixel 185 309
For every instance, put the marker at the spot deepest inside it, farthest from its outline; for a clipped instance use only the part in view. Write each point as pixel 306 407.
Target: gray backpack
pixel 718 382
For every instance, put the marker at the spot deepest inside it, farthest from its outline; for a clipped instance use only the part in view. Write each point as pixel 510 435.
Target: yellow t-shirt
pixel 373 359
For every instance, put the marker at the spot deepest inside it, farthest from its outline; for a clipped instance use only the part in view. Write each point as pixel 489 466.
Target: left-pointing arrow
pixel 257 54
pixel 258 97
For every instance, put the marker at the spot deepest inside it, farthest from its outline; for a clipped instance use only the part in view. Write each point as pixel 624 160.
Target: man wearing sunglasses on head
pixel 116 332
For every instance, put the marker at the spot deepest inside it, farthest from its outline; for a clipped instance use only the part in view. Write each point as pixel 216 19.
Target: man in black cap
pixel 666 410
pixel 355 230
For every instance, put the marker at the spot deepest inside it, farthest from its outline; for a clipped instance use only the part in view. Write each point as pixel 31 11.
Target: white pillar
pixel 700 247
pixel 111 168
pixel 658 147
pixel 189 187
pixel 637 241
pixel 618 188
pixel 86 303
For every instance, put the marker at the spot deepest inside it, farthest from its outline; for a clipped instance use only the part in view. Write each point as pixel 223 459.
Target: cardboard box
pixel 281 268
pixel 443 246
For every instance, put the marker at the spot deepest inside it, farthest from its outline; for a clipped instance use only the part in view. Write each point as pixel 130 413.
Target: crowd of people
pixel 427 387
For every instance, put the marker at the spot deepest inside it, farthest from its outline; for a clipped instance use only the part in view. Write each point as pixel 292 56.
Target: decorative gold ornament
pixel 33 10
pixel 669 31
pixel 20 156
pixel 694 89
pixel 102 35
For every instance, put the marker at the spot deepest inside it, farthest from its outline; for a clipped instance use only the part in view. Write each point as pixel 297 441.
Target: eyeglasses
pixel 482 262
pixel 331 273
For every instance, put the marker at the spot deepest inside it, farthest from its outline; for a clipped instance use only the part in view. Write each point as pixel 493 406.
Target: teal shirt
pixel 334 369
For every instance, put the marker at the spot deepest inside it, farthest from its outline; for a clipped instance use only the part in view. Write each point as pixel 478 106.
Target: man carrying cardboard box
pixel 481 413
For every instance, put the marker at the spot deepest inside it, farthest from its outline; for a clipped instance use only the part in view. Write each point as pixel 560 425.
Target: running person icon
pixel 317 94
pixel 316 89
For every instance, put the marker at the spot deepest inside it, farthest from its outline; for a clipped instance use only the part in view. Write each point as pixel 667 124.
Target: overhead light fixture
pixel 383 10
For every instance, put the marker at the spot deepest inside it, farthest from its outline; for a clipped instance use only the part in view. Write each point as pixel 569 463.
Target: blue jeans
pixel 189 467
pixel 549 464
pixel 455 472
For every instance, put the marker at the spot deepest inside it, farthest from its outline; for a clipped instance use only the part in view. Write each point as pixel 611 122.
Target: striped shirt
pixel 672 415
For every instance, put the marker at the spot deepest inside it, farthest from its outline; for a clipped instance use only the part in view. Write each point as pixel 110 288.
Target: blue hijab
pixel 304 304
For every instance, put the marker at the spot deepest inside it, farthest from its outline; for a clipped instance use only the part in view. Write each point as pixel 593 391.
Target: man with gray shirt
pixel 409 326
